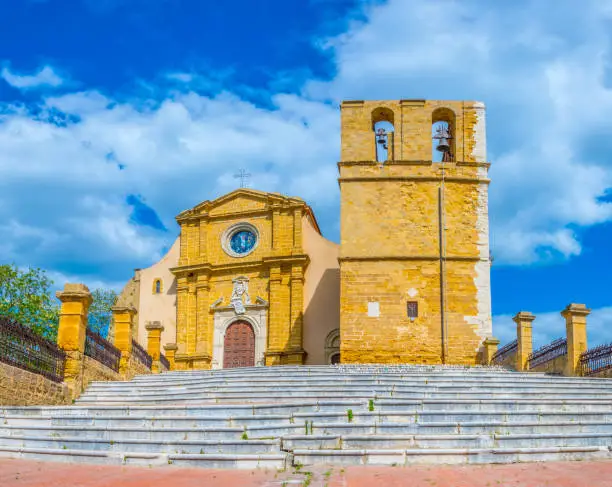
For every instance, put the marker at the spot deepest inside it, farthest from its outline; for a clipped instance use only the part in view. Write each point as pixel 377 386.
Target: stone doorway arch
pixel 239 345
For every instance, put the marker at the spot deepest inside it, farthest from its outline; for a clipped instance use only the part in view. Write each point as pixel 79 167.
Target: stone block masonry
pixel 19 387
pixel 414 231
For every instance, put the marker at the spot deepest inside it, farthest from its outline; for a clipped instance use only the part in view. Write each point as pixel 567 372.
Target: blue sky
pixel 115 115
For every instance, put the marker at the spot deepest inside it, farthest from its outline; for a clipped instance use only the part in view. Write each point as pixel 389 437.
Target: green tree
pixel 100 313
pixel 25 296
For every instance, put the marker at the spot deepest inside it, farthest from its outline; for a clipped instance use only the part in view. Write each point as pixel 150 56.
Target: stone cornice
pixel 265 261
pixel 415 162
pixel 449 179
pixel 411 258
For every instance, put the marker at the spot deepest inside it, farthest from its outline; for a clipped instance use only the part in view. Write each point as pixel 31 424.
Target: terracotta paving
pixel 22 473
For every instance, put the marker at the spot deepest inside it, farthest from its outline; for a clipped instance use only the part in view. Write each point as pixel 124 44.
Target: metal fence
pixel 21 347
pixel 102 350
pixel 164 361
pixel 596 360
pixel 554 349
pixel 503 353
pixel 141 354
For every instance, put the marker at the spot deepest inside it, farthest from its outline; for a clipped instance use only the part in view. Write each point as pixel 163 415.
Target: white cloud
pixel 44 77
pixel 550 325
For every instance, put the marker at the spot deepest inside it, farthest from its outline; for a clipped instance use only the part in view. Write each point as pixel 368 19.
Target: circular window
pixel 240 240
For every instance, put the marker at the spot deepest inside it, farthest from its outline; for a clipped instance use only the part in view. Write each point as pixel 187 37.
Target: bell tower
pixel 414 247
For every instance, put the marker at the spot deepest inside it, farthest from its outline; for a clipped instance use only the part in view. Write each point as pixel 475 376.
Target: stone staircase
pixel 282 416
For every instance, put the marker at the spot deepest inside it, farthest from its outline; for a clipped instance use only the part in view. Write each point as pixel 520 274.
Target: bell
pixel 443 145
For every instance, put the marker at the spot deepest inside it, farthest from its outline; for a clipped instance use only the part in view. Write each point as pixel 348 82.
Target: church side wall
pixel 159 307
pixel 321 293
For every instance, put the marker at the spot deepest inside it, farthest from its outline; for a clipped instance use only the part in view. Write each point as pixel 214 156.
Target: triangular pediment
pixel 242 200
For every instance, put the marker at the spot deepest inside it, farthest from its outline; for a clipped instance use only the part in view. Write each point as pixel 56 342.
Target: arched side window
pixel 384 131
pixel 443 135
pixel 332 347
pixel 157 286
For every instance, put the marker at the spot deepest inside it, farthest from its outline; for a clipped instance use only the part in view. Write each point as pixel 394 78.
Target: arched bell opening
pixel 443 135
pixel 384 131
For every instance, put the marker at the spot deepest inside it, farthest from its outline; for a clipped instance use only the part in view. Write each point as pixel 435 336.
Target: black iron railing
pixel 503 353
pixel 21 347
pixel 554 349
pixel 164 361
pixel 102 350
pixel 141 354
pixel 596 360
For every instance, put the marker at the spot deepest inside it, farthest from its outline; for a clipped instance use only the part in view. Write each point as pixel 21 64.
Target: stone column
pixel 154 329
pixel 170 350
pixel 523 322
pixel 123 316
pixel 489 348
pixel 76 300
pixel 575 326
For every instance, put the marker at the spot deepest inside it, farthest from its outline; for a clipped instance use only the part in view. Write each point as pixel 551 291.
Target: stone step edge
pixel 144 441
pixel 147 456
pixel 379 401
pixel 449 451
pixel 278 440
pixel 307 415
pixel 237 429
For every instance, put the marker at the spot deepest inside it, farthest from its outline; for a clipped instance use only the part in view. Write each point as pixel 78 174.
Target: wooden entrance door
pixel 239 345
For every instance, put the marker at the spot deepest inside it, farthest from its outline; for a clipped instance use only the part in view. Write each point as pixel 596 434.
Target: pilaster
pixel 296 313
pixel 204 334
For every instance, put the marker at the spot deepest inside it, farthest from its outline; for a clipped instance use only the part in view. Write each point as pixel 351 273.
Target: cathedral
pixel 251 280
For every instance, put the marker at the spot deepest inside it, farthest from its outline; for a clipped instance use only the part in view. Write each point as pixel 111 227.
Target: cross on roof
pixel 243 176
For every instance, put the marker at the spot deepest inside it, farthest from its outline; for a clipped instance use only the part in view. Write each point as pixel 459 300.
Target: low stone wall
pixel 605 373
pixel 96 371
pixel 509 362
pixel 554 366
pixel 19 387
pixel 136 367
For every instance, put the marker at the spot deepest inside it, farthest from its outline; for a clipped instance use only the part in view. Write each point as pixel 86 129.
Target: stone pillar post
pixel 523 322
pixel 489 348
pixel 123 316
pixel 154 329
pixel 170 350
pixel 575 327
pixel 76 300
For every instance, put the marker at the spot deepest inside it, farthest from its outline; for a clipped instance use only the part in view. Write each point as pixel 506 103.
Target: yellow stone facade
pixel 416 231
pixel 274 269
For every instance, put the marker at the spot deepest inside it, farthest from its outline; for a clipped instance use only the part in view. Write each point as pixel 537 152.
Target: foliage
pixel 25 296
pixel 100 313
